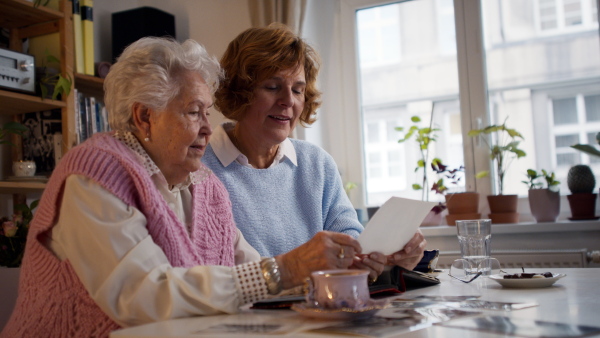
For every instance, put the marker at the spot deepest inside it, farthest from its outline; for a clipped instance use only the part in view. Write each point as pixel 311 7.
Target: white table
pixel 574 299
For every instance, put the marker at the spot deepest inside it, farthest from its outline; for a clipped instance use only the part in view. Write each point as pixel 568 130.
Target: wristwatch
pixel 272 275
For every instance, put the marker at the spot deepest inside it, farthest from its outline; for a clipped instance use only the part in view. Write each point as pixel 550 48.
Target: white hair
pixel 149 72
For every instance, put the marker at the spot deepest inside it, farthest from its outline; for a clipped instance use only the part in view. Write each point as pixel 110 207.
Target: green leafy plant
pixel 504 148
pixel 50 79
pixel 423 136
pixel 9 128
pixel 587 148
pixel 13 234
pixel 533 183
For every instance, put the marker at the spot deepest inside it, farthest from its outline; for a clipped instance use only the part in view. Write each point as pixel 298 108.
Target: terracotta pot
pixel 583 206
pixel 503 208
pixel 462 203
pixel 504 217
pixel 502 203
pixel 452 218
pixel 544 204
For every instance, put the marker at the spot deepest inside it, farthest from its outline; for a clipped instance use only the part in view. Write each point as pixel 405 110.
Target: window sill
pixel 521 228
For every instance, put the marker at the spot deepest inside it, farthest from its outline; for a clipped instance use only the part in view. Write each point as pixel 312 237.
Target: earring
pixel 147 139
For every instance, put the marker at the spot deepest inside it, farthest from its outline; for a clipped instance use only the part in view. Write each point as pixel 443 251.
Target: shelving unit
pixel 26 21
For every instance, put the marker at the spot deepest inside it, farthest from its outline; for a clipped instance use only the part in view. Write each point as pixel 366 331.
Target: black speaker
pixel 131 25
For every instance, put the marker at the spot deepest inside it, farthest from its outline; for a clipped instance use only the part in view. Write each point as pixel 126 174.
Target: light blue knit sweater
pixel 279 208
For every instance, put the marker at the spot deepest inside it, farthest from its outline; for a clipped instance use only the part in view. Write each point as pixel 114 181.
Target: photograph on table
pixel 522 327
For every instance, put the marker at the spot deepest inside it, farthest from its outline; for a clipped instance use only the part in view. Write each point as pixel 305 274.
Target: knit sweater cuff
pixel 250 283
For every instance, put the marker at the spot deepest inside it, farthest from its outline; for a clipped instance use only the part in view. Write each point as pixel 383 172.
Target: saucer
pixel 312 311
pixel 527 283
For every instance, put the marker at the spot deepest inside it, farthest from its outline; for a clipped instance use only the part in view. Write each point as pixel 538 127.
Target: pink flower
pixel 10 229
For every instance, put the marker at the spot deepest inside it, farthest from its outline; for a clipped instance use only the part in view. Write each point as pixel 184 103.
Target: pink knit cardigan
pixel 52 302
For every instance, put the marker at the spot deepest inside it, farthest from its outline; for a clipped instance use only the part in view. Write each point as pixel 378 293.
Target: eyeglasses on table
pixel 467 271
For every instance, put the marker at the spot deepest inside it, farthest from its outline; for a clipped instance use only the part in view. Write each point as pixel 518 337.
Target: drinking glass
pixel 474 237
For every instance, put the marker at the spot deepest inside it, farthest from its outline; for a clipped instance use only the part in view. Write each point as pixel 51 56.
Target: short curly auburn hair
pixel 256 55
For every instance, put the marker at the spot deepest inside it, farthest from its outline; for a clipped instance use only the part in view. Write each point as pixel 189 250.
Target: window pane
pixel 373 133
pixel 567 160
pixel 565 111
pixel 566 141
pixel 592 107
pixel 392 133
pixel 548 14
pixel 572 12
pixel 407 63
pixel 534 80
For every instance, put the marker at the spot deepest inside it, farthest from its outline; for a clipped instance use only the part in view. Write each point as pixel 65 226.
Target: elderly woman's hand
pixel 411 254
pixel 325 251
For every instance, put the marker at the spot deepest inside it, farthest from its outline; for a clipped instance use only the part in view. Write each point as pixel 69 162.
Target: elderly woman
pixel 284 191
pixel 132 228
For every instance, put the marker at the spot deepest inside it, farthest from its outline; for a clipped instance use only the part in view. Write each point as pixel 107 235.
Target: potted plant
pixel 503 144
pixel 50 79
pixel 543 202
pixel 11 128
pixel 581 182
pixel 13 234
pixel 460 205
pixel 424 136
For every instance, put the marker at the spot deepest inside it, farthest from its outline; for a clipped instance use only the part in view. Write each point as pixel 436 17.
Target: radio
pixel 17 71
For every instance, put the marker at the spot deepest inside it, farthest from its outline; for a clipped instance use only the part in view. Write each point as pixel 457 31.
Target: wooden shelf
pixel 9 187
pixel 21 13
pixel 12 103
pixel 91 85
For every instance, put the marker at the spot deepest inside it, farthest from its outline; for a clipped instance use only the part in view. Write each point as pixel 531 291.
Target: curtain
pixel 288 12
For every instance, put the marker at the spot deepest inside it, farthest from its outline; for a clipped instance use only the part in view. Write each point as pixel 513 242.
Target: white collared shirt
pixel 227 152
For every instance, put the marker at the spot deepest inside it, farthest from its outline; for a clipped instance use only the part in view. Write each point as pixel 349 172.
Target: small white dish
pixel 309 310
pixel 527 283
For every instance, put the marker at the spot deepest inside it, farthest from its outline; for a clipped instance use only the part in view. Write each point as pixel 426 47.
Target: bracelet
pixel 272 275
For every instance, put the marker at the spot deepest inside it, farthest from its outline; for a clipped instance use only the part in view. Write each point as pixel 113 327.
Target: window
pixel 540 71
pixel 395 87
pixel 565 14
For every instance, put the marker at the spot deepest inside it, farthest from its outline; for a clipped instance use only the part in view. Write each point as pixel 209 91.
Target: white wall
pixel 212 23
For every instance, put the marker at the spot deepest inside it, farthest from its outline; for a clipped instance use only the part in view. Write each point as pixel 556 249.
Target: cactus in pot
pixel 581 181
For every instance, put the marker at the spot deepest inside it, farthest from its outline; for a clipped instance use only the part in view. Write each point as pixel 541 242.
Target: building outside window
pixel 541 66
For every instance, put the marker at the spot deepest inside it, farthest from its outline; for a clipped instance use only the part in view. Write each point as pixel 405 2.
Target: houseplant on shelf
pixel 13 234
pixel 424 136
pixel 543 202
pixel 11 128
pixel 51 82
pixel 581 182
pixel 503 143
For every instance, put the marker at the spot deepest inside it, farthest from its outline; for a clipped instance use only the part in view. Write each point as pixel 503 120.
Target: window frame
pixel 472 90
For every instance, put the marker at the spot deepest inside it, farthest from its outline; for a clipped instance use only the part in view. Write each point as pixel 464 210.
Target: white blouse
pixel 127 274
